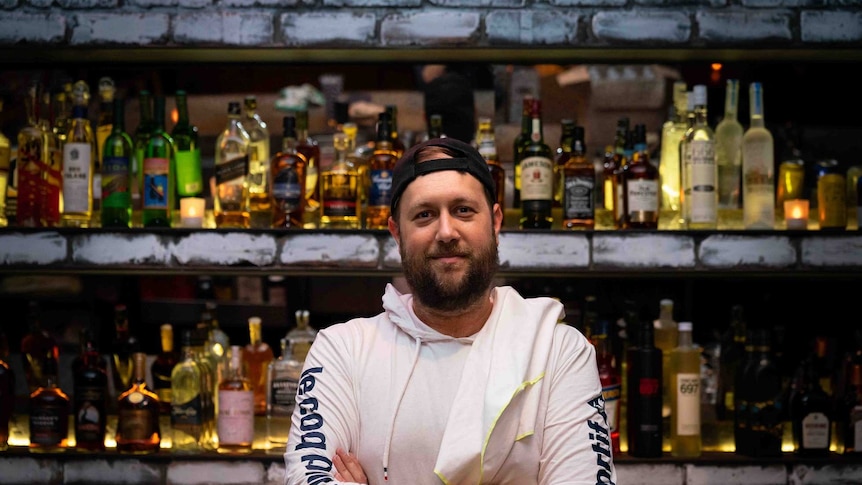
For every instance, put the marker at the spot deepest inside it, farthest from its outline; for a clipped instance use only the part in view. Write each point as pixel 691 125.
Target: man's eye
pixel 423 215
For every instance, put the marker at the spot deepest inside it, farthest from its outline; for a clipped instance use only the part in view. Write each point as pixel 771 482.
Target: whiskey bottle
pixel 7 392
pixel 579 184
pixel 612 165
pixel 518 145
pixel 117 159
pixel 260 209
pixel 758 409
pixel 486 143
pixel 79 158
pixel 340 189
pixel 52 176
pixel 810 413
pixel 123 347
pixel 380 165
pixel 39 350
pixel 729 148
pixel 611 379
pixel 104 127
pixel 230 200
pixel 671 136
pixel 684 387
pixel 237 406
pixel 644 400
pixel 640 186
pixel 5 162
pixel 138 413
pixel 158 172
pixel 758 167
pixel 287 179
pixel 700 174
pixel 90 392
pixel 397 141
pixel 188 151
pixel 141 136
pixel 162 368
pixel 187 399
pixel 537 176
pixel 308 147
pixel 49 414
pixel 256 356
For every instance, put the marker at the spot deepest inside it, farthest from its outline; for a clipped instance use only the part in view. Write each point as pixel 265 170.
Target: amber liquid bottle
pixel 163 366
pixel 287 180
pixel 381 164
pixel 537 176
pixel 138 413
pixel 308 147
pixel 257 355
pixel 810 413
pixel 578 184
pixel 49 414
pixel 487 144
pixel 641 186
pixel 237 406
pixel 90 394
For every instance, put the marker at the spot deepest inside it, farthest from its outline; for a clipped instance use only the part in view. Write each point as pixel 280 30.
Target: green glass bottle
pixel 188 154
pixel 158 172
pixel 117 158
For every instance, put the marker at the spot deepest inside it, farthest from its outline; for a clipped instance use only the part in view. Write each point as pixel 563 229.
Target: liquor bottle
pixel 611 379
pixel 486 143
pixel 849 420
pixel 397 141
pixel 158 172
pixel 141 136
pixel 435 127
pixel 287 180
pixel 104 127
pixel 90 393
pixel 700 174
pixel 361 163
pixel 790 183
pixel 340 189
pixel 31 158
pixel 612 164
pixel 309 147
pixel 51 176
pixel 810 413
pixel 729 148
pixel 187 399
pixel 831 195
pixel 758 427
pixel 188 151
pixel 123 347
pixel 641 183
pixel 537 176
pixel 518 145
pixel 257 355
pixel 79 158
pixel 237 406
pixel 217 341
pixel 59 109
pixel 138 413
pixel 666 333
pixel 260 210
pixel 39 350
pixel 671 136
pixel 684 387
pixel 5 161
pixel 579 185
pixel 211 372
pixel 283 377
pixel 162 368
pixel 49 414
pixel 7 392
pixel 758 167
pixel 730 363
pixel 230 200
pixel 380 165
pixel 644 385
pixel 564 148
pixel 118 157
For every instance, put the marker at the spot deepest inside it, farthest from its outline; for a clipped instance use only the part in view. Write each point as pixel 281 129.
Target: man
pixel 457 382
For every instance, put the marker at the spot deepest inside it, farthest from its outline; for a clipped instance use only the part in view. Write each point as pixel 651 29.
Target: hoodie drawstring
pixel 388 443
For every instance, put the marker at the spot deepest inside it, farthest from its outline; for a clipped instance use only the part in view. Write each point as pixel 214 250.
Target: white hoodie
pixel 517 403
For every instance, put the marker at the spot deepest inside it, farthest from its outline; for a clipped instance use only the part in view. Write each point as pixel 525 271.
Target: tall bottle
pixel 187 399
pixel 849 420
pixel 230 200
pixel 51 176
pixel 728 149
pixel 758 428
pixel 39 350
pixel 612 165
pixel 287 180
pixel 397 141
pixel 666 339
pixel 104 127
pixel 7 392
pixel 79 159
pixel 49 414
pixel 138 429
pixel 730 363
pixel 32 158
pixel 257 355
pixel 308 146
pixel 380 165
pixel 643 387
pixel 486 143
pixel 163 366
pixel 118 157
pixel 561 154
pixel 211 374
pixel 537 176
pixel 700 176
pixel 519 143
pixel 810 413
pixel 671 136
pixel 684 387
pixel 90 391
pixel 188 151
pixel 340 189
pixel 236 410
pixel 5 162
pixel 123 347
pixel 758 167
pixel 141 136
pixel 579 185
pixel 158 172
pixel 611 379
pixel 259 202
pixel 640 179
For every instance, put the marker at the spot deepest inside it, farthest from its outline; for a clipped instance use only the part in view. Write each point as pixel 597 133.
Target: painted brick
pixel 322 28
pixel 215 473
pixel 36 28
pixel 531 250
pixel 225 249
pixel 804 474
pixel 835 26
pixel 391 256
pixel 532 28
pixel 744 26
pixel 739 475
pixel 36 248
pixel 355 250
pixel 275 473
pixel 120 472
pixel 832 251
pixel 24 470
pixel 120 249
pixel 478 3
pixel 643 250
pixel 133 29
pixel 157 3
pixel 37 3
pixel 73 4
pixel 641 25
pixel 230 28
pixel 429 28
pixel 730 251
pixel 599 3
pixel 255 3
pixel 649 474
pixel 373 3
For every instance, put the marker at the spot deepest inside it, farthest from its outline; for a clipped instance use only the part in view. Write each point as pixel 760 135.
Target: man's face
pixel 447 238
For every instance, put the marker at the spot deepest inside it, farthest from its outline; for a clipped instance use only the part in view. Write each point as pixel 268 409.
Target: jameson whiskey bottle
pixel 287 180
pixel 49 414
pixel 537 176
pixel 309 147
pixel 138 413
pixel 256 357
pixel 163 366
pixel 684 388
pixel 188 151
pixel 117 159
pixel 5 155
pixel 728 149
pixel 79 156
pixel 700 175
pixel 672 132
pixel 142 135
pixel 579 185
pixel 640 186
pixel 158 172
pixel 486 143
pixel 381 164
pixel 340 189
pixel 90 393
pixel 230 201
pixel 258 164
pixel 236 407
pixel 758 167
pixel 187 399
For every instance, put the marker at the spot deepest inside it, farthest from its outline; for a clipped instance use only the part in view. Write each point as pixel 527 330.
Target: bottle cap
pixel 700 95
pixel 684 326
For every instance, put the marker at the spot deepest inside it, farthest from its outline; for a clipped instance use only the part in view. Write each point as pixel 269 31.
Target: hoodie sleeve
pixel 326 413
pixel 577 444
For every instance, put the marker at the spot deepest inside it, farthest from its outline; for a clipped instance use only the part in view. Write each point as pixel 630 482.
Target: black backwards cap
pixel 465 158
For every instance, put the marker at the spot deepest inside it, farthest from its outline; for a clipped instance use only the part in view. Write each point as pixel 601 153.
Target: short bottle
pixel 138 429
pixel 236 407
pixel 340 189
pixel 118 156
pixel 90 392
pixel 578 184
pixel 685 430
pixel 287 180
pixel 257 355
pixel 831 196
pixel 230 200
pixel 49 414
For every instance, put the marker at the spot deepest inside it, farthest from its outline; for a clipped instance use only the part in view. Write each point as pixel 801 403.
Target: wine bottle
pixel 117 159
pixel 158 172
pixel 188 151
pixel 684 388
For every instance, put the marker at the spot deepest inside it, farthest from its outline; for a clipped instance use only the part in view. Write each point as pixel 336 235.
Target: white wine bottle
pixel 685 432
pixel 700 175
pixel 758 167
pixel 672 132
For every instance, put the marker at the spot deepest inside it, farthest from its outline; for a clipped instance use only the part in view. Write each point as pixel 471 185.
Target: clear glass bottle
pixel 758 167
pixel 381 164
pixel 671 135
pixel 641 184
pixel 188 151
pixel 666 334
pixel 158 172
pixel 257 355
pixel 187 399
pixel 340 189
pixel 236 408
pixel 230 200
pixel 90 395
pixel 117 159
pixel 700 176
pixel 537 176
pixel 138 429
pixel 258 164
pixel 486 143
pixel 49 414
pixel 79 159
pixel 32 157
pixel 579 185
pixel 163 366
pixel 287 180
pixel 308 146
pixel 684 387
pixel 728 149
pixel 211 373
pixel 5 155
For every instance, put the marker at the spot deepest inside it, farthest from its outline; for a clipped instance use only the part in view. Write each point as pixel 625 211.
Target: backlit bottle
pixel 163 366
pixel 230 198
pixel 187 399
pixel 236 408
pixel 118 156
pixel 380 165
pixel 138 429
pixel 5 154
pixel 758 167
pixel 810 413
pixel 671 135
pixel 684 388
pixel 287 180
pixel 258 164
pixel 309 147
pixel 640 179
pixel 49 414
pixel 188 151
pixel 700 173
pixel 666 339
pixel 104 127
pixel 79 159
pixel 90 391
pixel 140 138
pixel 158 172
pixel 257 355
pixel 537 176
pixel 578 184
pixel 728 149
pixel 340 189
pixel 486 143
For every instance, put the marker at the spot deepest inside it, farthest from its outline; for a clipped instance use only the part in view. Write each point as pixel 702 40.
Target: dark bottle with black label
pixel 644 383
pixel 90 393
pixel 810 413
pixel 758 413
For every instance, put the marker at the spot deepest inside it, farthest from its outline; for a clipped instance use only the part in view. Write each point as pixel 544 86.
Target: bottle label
pixel 537 178
pixel 155 183
pixel 642 197
pixel 189 179
pixel 831 203
pixel 578 199
pixel 77 177
pixel 136 424
pixel 815 431
pixel 188 413
pixel 380 193
pixel 235 417
pixel 115 182
pixel 700 178
pixel 231 170
pixel 90 414
pixel 48 424
pixel 287 189
pixel 283 396
pixel 687 413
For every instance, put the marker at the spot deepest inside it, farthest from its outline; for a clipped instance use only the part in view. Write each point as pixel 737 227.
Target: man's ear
pixel 394 230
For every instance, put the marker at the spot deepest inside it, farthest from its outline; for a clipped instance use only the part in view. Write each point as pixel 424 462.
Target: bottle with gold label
pixel 537 176
pixel 380 166
pixel 831 195
pixel 79 156
pixel 340 189
pixel 138 413
pixel 258 164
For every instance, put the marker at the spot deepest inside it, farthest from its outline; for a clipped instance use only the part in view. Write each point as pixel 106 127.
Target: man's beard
pixel 439 291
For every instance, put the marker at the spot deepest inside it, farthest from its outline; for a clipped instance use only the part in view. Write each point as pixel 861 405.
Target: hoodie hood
pixel 399 307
